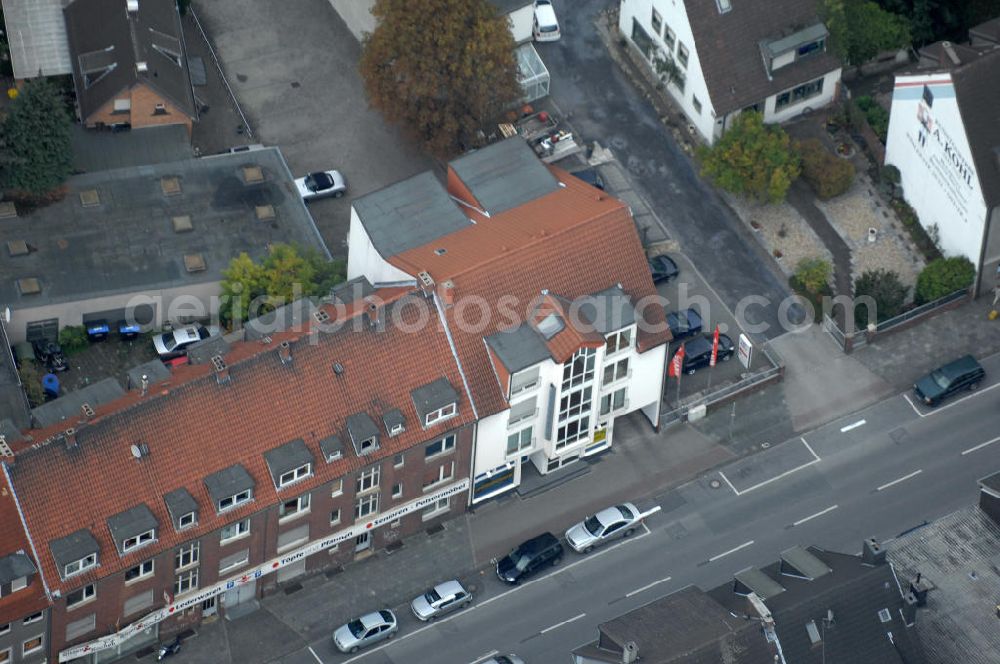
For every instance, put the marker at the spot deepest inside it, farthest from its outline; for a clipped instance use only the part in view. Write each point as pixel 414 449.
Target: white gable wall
pixel 364 260
pixel 928 144
pixel 521 21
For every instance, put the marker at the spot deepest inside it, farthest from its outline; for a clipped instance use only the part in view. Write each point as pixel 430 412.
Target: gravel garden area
pixel 782 231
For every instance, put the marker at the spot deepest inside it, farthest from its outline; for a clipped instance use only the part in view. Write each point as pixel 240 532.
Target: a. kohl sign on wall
pixel 928 144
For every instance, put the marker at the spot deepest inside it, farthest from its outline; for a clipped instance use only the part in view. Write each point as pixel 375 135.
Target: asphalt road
pixel 879 472
pixel 603 105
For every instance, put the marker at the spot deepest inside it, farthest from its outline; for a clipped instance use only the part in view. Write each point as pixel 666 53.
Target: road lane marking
pixel 647 586
pixel 849 427
pixel 315 655
pixel 816 459
pixel 808 447
pixel 482 657
pixel 733 550
pixel 813 516
pixel 898 480
pixel 560 624
pixel 939 409
pixel 980 446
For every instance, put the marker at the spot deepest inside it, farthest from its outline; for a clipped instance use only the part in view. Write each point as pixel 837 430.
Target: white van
pixel 546 27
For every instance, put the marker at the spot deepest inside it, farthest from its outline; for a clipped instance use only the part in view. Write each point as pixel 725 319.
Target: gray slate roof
pixel 154 371
pixel 15 566
pixel 392 418
pixel 13 405
pixel 293 316
pixel 331 447
pixel 409 214
pixel 127 242
pixel 131 522
pixel 357 288
pixel 36 33
pixel 103 37
pixel 504 175
pixel 180 502
pixel 978 97
pixel 361 427
pixel 433 396
pixel 69 407
pixel 518 348
pixel 289 456
pixel 73 547
pixel 228 482
pixel 728 47
pixel 608 311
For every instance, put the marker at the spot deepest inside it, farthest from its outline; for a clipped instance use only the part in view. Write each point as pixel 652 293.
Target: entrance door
pixel 362 542
pixel 240 594
pixel 208 607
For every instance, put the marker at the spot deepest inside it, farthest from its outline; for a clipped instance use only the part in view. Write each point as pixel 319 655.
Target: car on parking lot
pixel 591 177
pixel 175 342
pixel 364 631
pixel 698 352
pixel 684 324
pixel 530 557
pixel 662 268
pixel 618 521
pixel 965 373
pixel 546 26
pixel 321 184
pixel 503 659
pixel 441 599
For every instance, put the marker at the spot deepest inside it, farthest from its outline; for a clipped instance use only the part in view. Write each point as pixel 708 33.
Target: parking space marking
pixel 482 657
pixel 816 459
pixel 813 516
pixel 980 446
pixel 313 652
pixel 849 427
pixel 899 479
pixel 560 624
pixel 647 586
pixel 939 409
pixel 732 550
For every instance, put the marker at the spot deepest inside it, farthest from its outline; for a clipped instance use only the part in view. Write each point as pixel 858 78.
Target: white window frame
pixel 366 505
pixel 33 618
pixel 41 644
pixel 621 369
pixel 447 445
pixel 242 530
pixel 143 572
pixel 437 508
pixel 4 629
pixel 337 488
pixel 190 518
pixel 82 565
pixel 368 480
pixel 367 445
pixel 91 619
pixel 443 476
pixel 295 475
pixel 186 581
pixel 613 342
pixel 399 460
pixel 531 378
pixel 683 55
pixel 302 507
pixel 7 655
pixel 140 540
pixel 85 596
pixel 19 583
pixel 397 490
pixel 234 501
pixel 525 439
pixel 190 551
pixel 610 398
pixel 335 517
pixel 522 411
pixel 441 414
pixel 235 565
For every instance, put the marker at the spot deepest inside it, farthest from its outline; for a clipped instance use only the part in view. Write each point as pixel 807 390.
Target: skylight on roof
pixel 724 6
pixel 551 325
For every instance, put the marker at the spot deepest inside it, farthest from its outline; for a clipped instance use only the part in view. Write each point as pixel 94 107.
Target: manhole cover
pixel 715 484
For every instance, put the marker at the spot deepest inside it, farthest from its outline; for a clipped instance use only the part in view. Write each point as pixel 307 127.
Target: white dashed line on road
pixel 980 446
pixel 739 492
pixel 560 624
pixel 313 652
pixel 849 427
pixel 813 516
pixel 482 657
pixel 733 550
pixel 898 480
pixel 647 586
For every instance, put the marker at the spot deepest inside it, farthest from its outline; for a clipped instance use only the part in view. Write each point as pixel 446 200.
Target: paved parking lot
pixel 293 67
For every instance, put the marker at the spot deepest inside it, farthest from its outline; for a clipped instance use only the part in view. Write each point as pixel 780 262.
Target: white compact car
pixel 321 184
pixel 546 26
pixel 618 521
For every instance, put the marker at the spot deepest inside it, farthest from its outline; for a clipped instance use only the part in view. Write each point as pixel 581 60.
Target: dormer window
pixel 229 502
pixel 440 414
pixel 139 540
pixel 78 566
pixel 182 508
pixel 18 583
pixel 187 520
pixel 367 445
pixel 295 475
pixel 523 381
pixel 363 432
pixel 394 422
pixel 230 487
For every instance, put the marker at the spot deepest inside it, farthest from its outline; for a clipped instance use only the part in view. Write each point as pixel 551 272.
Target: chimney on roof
pixel 5 450
pixel 221 369
pixel 70 437
pixel 909 610
pixel 285 352
pixel 630 653
pixel 919 587
pixel 871 553
pixel 426 282
pixel 87 410
pixel 132 6
pixel 373 313
pixel 141 67
pixel 446 291
pixel 144 384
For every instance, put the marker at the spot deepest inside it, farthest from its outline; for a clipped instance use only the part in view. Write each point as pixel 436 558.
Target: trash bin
pixel 50 385
pixel 128 330
pixel 97 330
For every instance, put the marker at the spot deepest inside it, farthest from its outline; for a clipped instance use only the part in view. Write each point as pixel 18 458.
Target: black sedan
pixel 698 352
pixel 662 268
pixel 684 324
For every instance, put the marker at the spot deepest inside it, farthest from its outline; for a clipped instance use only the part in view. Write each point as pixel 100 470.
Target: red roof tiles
pixel 26 601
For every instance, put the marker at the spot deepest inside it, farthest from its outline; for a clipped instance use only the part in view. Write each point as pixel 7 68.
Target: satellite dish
pixel 136 452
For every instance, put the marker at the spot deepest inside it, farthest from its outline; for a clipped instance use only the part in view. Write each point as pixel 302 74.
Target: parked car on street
pixel 965 373
pixel 321 184
pixel 441 599
pixel 369 629
pixel 618 521
pixel 530 557
pixel 684 324
pixel 546 27
pixel 591 177
pixel 174 343
pixel 698 352
pixel 662 268
pixel 503 659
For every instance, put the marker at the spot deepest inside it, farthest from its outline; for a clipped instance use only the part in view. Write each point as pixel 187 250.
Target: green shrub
pixel 31 380
pixel 890 174
pixel 943 277
pixel 815 298
pixel 813 274
pixel 885 288
pixel 878 118
pixel 864 102
pixel 908 216
pixel 828 174
pixel 73 338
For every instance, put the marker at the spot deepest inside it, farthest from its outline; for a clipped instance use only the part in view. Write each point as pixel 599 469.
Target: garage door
pixel 43 330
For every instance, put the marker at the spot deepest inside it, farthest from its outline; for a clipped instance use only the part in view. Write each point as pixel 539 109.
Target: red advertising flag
pixel 676 363
pixel 715 347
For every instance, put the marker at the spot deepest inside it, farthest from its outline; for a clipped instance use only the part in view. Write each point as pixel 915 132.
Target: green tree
pixel 943 277
pixel 887 291
pixel 444 70
pixel 828 174
pixel 36 138
pixel 242 282
pixel 813 274
pixel 861 29
pixel 73 338
pixel 31 381
pixel 933 20
pixel 752 159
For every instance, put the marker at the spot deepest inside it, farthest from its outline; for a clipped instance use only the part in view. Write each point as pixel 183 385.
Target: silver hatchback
pixel 365 631
pixel 441 599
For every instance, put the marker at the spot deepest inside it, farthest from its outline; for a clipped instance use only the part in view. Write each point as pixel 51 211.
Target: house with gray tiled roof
pixel 770 56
